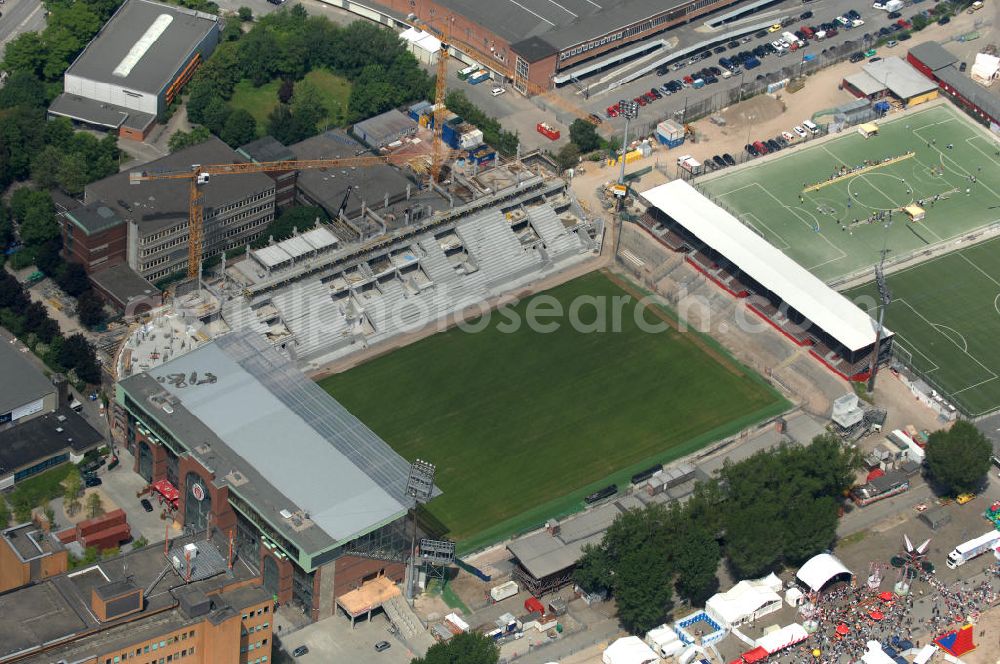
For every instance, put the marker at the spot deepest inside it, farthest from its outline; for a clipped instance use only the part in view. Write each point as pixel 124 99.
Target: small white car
pixel 788 136
pixel 800 131
pixel 497 91
pixel 878 5
pixel 778 46
pixel 857 23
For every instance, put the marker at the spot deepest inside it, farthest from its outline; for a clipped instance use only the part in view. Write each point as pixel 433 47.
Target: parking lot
pixel 332 641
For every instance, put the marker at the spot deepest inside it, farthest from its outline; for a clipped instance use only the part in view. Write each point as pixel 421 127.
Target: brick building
pixel 938 64
pixel 539 39
pixel 187 601
pixel 254 448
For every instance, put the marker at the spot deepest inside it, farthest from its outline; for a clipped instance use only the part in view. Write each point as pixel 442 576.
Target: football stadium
pixel 592 407
pixel 923 189
pixel 827 205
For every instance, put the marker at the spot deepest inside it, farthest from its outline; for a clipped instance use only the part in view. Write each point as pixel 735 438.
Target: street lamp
pixel 630 109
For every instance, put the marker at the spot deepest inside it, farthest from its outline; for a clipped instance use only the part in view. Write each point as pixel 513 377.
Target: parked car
pixel 800 131
pixel 719 161
pixel 656 93
pixel 382 646
pixel 760 34
pixel 772 145
pixel 963 66
pixel 894 15
pixel 857 57
pixel 892 43
pixel 761 147
pixel 114 463
pixel 774 28
pixel 805 15
pixel 874 59
pixel 301 650
pixel 719 49
pixel 788 136
pixel 613 111
pixel 728 158
pixel 944 20
pixel 751 150
pixel 93 481
pixel 640 100
pixel 146 505
pixel 733 44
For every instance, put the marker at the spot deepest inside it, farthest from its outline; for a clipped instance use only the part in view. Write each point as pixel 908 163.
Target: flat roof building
pixel 256 448
pixel 93 236
pixel 43 442
pixel 237 209
pixel 893 76
pixel 125 290
pixel 536 39
pixel 28 555
pixel 28 396
pixel 381 130
pixel 135 66
pixel 185 602
pixel 938 64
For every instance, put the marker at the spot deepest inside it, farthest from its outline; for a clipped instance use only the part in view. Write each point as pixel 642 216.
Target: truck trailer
pixel 966 551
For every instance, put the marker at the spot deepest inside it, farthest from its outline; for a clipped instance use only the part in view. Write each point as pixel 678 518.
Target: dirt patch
pixel 742 116
pixel 83 513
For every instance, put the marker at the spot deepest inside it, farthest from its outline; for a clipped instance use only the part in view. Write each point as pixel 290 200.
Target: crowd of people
pixel 848 617
pixel 844 170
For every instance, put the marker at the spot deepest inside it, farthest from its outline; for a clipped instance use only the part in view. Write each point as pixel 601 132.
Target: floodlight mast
pixel 419 487
pixel 885 297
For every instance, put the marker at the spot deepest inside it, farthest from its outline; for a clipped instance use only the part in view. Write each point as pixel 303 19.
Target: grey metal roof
pixel 297 447
pixel 561 24
pixel 542 554
pixel 89 111
pixel 94 218
pixel 159 62
pixel 533 49
pixel 933 55
pixel 864 83
pixel 124 283
pixel 31 383
pixel 900 77
pixel 327 186
pixel 161 203
pixel 984 98
pixel 384 128
pixel 265 149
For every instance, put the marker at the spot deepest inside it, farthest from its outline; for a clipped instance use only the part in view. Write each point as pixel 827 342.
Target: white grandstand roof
pixel 818 570
pixel 271 256
pixel 296 246
pixel 320 238
pixel 803 291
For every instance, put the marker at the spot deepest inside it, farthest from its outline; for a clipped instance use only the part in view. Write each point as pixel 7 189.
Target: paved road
pixel 20 16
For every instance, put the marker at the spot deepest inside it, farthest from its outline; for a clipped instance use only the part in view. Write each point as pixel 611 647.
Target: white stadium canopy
pixel 763 262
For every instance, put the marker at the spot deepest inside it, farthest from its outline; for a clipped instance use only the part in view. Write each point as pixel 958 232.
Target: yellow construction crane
pixel 201 174
pixel 440 89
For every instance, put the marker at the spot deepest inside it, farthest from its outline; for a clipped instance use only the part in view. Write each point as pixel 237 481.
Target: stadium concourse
pixel 776 288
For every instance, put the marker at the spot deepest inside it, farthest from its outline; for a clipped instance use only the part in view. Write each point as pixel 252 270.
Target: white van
pixel 812 128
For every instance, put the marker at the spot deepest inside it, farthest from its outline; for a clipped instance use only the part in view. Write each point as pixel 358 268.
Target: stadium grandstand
pixel 794 301
pixel 318 514
pixel 321 301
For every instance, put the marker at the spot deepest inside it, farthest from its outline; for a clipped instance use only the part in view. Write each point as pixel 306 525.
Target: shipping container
pixel 468 71
pixel 548 131
pixel 503 591
pixel 479 77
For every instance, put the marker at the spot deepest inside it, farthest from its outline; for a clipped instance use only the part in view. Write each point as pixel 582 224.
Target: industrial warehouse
pixel 136 66
pixel 534 41
pixel 317 515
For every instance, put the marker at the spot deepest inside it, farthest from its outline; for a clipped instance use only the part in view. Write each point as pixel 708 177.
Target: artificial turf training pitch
pixel 946 315
pixel 523 424
pixel 826 230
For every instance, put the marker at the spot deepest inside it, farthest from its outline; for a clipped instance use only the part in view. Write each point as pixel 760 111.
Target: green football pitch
pixel 523 424
pixel 827 230
pixel 946 315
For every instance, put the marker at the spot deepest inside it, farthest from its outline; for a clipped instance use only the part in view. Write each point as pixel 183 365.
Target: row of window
pixel 259 660
pixel 250 630
pixel 260 611
pixel 180 239
pixel 233 206
pixel 253 646
pixel 164 233
pixel 153 647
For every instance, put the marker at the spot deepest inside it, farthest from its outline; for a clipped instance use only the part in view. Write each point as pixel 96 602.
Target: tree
pixel 36 216
pixel 465 648
pixel 958 458
pixel 73 174
pixel 4 514
pixel 286 91
pixel 72 278
pixel 90 309
pixel 279 124
pixel 696 557
pixel 27 54
pixel 568 156
pixel 181 139
pixel 239 128
pixel 245 14
pixel 139 543
pixel 71 492
pixel 95 507
pixel 585 135
pixel 22 89
pixel 78 354
pixel 215 114
pixel 643 589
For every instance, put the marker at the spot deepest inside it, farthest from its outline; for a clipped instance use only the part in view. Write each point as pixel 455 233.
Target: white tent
pixel 875 655
pixel 746 601
pixel 782 638
pixel 664 641
pixel 794 597
pixel 985 69
pixel 629 650
pixel 819 569
pixel 925 654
